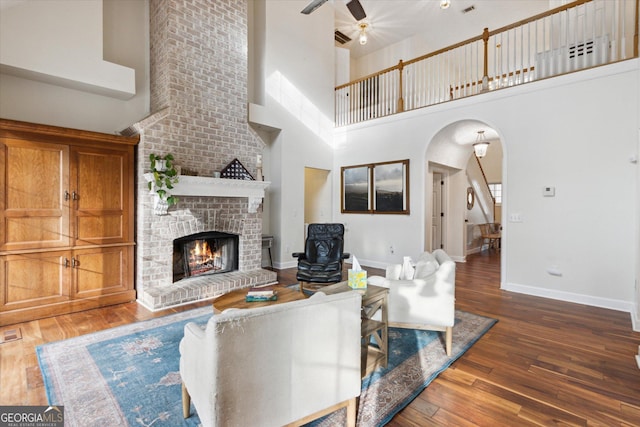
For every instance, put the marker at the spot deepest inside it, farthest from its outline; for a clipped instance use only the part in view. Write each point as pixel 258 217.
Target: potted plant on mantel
pixel 161 180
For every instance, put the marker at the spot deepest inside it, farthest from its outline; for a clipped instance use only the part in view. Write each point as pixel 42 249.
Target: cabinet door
pixel 33 206
pixel 102 181
pixel 101 271
pixel 31 280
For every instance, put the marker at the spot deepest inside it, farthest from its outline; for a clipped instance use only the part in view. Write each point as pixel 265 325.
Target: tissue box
pixel 357 279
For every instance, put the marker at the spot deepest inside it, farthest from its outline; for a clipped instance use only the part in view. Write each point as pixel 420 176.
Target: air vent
pixel 9 335
pixel 469 9
pixel 341 37
pixel 581 49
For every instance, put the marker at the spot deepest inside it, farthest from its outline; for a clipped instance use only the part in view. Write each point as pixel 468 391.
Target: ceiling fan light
pixel 444 4
pixel 363 38
pixel 363 34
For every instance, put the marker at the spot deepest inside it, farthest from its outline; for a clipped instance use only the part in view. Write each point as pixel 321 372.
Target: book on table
pixel 257 295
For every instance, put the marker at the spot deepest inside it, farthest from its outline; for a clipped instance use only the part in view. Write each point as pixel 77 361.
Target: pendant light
pixel 481 145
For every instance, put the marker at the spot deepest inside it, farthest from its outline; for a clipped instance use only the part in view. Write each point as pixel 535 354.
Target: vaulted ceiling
pixel 391 21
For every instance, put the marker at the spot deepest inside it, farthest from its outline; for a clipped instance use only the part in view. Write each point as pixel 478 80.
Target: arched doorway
pixel 468 186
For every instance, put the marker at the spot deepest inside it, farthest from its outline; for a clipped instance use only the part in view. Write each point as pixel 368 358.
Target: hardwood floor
pixel 545 362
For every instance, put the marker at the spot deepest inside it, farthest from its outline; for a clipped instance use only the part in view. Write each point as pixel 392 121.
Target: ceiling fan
pixel 354 7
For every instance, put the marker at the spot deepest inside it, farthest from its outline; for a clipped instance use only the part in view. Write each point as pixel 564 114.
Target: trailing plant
pixel 164 177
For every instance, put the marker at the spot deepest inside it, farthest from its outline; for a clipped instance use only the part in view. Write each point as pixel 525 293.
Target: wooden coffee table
pixel 235 299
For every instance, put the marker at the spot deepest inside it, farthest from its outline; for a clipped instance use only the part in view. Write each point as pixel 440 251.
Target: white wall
pixel 636 313
pixel 574 132
pixel 75 64
pixel 299 72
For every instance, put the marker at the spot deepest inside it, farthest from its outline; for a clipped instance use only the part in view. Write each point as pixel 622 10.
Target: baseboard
pixel 635 320
pixel 611 304
pixel 284 265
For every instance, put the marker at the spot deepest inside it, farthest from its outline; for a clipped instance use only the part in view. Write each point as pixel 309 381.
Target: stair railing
pixel 579 35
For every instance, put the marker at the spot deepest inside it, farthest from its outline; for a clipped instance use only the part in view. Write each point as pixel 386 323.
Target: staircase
pixel 483 210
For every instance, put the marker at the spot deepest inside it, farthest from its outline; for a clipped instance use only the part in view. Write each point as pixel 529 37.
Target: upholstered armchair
pixel 276 365
pixel 422 296
pixel 321 261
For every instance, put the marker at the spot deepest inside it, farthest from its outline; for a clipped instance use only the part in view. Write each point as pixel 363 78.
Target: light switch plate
pixel 549 191
pixel 515 217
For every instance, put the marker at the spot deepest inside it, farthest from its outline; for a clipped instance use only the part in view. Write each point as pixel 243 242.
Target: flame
pixel 203 258
pixel 201 249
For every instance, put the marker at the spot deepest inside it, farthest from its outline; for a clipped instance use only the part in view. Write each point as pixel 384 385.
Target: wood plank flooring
pixel 544 363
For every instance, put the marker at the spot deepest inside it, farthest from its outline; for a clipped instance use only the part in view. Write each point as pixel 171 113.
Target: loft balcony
pixel 577 36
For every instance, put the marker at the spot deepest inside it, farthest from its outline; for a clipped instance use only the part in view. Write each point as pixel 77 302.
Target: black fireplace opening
pixel 209 252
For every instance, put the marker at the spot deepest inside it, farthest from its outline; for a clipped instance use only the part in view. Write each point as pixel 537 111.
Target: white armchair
pixel 285 364
pixel 426 300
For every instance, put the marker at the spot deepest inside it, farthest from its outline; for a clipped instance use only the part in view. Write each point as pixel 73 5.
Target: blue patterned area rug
pixel 129 375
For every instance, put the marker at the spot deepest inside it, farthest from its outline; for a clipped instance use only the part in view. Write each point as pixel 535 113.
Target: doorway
pixel 450 222
pixel 437 212
pixel 317 196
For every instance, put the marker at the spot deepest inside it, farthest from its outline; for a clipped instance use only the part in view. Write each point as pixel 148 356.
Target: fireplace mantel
pixel 201 186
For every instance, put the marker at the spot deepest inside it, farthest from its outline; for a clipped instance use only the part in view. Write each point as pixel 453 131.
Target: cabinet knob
pixel 74 262
pixel 65 261
pixel 74 195
pixel 66 195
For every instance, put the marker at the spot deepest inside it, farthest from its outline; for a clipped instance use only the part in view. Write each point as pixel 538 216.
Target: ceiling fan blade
pixel 356 10
pixel 313 6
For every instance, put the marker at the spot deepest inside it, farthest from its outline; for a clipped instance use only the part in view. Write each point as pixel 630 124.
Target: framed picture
pixel 376 188
pixel 356 189
pixel 391 187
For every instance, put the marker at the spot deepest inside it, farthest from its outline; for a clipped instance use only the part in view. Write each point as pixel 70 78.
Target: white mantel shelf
pixel 201 186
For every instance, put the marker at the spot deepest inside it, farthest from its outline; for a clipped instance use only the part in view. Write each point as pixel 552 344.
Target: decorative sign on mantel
pixel 219 187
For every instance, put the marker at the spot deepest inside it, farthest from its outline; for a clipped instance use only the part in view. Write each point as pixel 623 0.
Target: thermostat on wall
pixel 549 191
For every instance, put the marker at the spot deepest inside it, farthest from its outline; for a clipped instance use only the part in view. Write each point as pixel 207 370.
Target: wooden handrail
pixel 486 182
pixel 367 77
pixel 484 36
pixel 399 103
pixel 538 16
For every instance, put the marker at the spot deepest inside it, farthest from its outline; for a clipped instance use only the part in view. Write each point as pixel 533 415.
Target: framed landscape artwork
pixel 376 188
pixel 356 193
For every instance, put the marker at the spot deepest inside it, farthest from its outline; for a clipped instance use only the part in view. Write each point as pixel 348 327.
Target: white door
pixel 437 214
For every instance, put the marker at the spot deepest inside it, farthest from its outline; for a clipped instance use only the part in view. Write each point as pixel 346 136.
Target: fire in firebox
pixel 204 253
pixel 203 259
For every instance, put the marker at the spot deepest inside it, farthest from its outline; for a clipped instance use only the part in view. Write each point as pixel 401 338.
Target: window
pixel 496 191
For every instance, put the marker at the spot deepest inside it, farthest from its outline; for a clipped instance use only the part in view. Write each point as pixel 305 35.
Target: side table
pixel 374 298
pixel 267 243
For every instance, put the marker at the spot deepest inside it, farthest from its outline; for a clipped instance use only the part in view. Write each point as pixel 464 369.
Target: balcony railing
pixel 576 36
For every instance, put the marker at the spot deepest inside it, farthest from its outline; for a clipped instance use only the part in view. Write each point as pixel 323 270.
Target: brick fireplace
pixel 198 58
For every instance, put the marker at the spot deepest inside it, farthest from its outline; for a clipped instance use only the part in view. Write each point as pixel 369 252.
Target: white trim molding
pixel 611 304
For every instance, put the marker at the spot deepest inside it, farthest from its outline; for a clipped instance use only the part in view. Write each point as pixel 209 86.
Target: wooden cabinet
pixel 67 216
